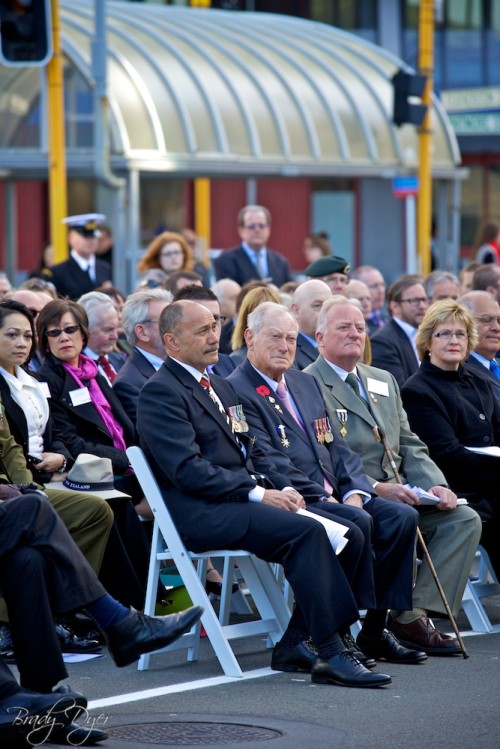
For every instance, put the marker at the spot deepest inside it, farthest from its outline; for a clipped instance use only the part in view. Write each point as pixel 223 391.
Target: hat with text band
pixel 86 224
pixel 326 265
pixel 92 475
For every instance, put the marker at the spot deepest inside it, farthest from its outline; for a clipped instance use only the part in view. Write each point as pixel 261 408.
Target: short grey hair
pixel 172 316
pixel 438 276
pixel 136 309
pixel 335 301
pixel 467 300
pixel 257 318
pixel 94 303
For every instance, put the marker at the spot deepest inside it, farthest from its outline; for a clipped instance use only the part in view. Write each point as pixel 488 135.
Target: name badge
pixel 44 386
pixel 80 396
pixel 377 386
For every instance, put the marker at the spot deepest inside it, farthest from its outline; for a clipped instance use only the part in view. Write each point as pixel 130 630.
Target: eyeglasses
pixel 447 335
pixel 488 319
pixel 252 227
pixel 69 330
pixel 415 301
pixel 220 319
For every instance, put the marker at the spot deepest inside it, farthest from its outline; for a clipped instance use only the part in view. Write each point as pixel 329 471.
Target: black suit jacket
pixel 475 366
pixel 452 410
pixel 195 456
pixel 236 264
pixel 81 427
pixel 392 350
pixel 129 381
pixel 305 462
pixel 19 429
pixel 306 353
pixel 71 281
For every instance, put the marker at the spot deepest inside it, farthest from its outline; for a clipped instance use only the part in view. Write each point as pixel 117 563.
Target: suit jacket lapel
pixel 342 392
pixel 200 395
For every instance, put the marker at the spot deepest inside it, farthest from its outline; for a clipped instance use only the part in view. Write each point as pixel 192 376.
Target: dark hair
pixel 10 307
pixel 53 312
pixel 195 293
pixel 171 282
pixel 402 283
pixel 484 276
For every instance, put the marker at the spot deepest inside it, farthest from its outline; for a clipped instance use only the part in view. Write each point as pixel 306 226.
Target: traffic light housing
pixel 25 32
pixel 407 86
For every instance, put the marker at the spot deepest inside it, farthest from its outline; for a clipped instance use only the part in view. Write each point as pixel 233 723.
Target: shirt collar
pixel 410 330
pixel 342 373
pixel 153 359
pixel 272 383
pixel 192 370
pixel 484 361
pixel 83 263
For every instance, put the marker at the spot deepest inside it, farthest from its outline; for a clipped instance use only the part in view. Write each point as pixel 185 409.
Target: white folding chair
pixel 259 578
pixel 482 584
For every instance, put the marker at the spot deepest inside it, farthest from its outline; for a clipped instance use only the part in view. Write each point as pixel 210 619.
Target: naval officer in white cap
pixel 82 271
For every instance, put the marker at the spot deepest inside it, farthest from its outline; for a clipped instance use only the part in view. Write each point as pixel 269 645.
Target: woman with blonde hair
pixel 251 300
pixel 454 411
pixel 168 251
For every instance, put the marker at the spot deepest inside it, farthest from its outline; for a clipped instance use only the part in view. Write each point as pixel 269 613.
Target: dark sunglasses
pixel 69 330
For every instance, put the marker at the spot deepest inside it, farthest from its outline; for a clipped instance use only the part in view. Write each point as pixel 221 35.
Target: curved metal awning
pixel 198 92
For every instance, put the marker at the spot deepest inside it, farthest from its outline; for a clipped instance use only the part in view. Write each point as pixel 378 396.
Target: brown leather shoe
pixel 422 635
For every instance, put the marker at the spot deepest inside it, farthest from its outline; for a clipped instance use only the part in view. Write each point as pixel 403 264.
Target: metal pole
pixel 202 223
pixel 425 550
pixel 57 143
pixel 426 67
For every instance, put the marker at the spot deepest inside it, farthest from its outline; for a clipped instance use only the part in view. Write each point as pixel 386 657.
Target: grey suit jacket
pixel 411 455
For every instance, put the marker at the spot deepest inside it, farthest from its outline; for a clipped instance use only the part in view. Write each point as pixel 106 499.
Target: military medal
pixel 282 433
pixel 374 399
pixel 239 421
pixel 342 417
pixel 328 431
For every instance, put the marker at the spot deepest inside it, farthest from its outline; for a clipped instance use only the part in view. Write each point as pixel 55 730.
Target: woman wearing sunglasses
pixel 454 412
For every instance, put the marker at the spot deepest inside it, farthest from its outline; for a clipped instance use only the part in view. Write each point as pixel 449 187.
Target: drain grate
pixel 192 734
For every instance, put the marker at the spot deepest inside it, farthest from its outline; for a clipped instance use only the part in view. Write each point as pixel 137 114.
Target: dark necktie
pixel 104 362
pixel 495 369
pixel 352 381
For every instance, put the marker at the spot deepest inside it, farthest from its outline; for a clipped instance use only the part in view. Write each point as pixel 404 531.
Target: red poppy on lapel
pixel 263 390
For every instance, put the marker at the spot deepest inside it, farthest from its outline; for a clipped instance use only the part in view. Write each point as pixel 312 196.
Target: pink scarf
pixel 84 375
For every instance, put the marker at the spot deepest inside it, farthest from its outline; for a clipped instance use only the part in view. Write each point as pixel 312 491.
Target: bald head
pixel 190 334
pixel 359 290
pixel 307 301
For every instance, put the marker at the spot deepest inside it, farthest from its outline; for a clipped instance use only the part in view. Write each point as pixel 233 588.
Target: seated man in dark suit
pixel 35 547
pixel 218 501
pixel 482 360
pixel 140 319
pixel 252 260
pixel 393 347
pixel 104 325
pixel 300 446
pixel 82 271
pixel 306 305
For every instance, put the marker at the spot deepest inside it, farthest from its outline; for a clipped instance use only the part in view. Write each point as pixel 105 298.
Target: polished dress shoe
pixel 138 634
pixel 387 648
pixel 422 635
pixel 351 646
pixel 70 643
pixel 215 588
pixel 346 671
pixel 33 716
pixel 299 658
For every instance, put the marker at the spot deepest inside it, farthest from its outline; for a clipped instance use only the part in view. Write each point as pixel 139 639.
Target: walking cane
pixel 427 556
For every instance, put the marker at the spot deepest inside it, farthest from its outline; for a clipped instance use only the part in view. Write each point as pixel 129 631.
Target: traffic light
pixel 25 32
pixel 407 86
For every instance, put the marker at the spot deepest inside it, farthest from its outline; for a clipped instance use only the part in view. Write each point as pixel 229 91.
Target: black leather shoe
pixel 388 648
pixel 215 588
pixel 75 735
pixel 70 643
pixel 351 646
pixel 138 634
pixel 300 658
pixel 346 671
pixel 40 714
